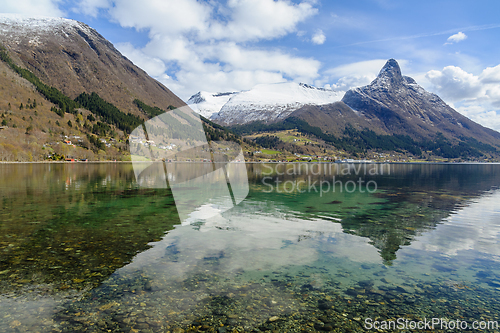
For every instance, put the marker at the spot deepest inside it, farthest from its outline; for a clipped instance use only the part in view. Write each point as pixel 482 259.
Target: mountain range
pixel 61 81
pixel 392 104
pixel 264 102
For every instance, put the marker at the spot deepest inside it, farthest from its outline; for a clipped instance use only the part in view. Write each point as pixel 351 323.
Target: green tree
pixel 108 113
pixel 151 111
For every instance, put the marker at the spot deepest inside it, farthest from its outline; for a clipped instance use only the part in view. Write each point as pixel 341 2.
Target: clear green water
pixel 84 249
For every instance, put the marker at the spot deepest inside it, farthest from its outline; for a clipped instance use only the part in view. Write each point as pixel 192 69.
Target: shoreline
pixel 246 162
pixel 61 162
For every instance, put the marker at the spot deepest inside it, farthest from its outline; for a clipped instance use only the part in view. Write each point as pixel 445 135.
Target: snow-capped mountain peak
pixel 389 76
pixel 34 22
pixel 17 26
pixel 264 102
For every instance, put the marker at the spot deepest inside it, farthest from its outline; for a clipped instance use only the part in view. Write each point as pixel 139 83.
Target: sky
pixel 451 48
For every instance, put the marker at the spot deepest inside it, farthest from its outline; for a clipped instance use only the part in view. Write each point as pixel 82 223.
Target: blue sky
pixel 451 48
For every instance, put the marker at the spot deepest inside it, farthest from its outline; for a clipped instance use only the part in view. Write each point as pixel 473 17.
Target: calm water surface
pixel 85 249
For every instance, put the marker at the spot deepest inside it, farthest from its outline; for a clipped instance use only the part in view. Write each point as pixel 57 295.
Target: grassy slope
pixel 367 144
pixel 33 132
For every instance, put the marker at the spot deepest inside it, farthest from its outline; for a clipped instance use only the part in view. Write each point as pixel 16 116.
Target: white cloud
pixel 453 83
pixel 475 96
pixel 223 66
pixel 491 75
pixel 301 33
pixel 318 38
pixel 239 20
pixel 153 66
pixel 207 45
pixel 458 37
pixel 370 68
pixel 237 57
pixel 217 80
pixel 168 17
pixel 356 74
pixel 261 19
pixel 32 7
pixel 481 113
pixel 91 7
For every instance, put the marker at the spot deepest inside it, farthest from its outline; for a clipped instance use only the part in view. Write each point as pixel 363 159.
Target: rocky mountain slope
pixel 396 104
pixel 392 104
pixel 264 102
pixel 334 118
pixel 66 92
pixel 74 58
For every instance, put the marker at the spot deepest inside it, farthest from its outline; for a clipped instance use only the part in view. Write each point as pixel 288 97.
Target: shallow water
pixel 84 248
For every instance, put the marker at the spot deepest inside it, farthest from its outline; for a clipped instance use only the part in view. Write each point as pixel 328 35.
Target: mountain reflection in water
pixel 83 247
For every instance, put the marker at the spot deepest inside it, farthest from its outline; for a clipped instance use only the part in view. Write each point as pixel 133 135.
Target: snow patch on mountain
pixel 264 102
pixel 207 104
pixel 15 26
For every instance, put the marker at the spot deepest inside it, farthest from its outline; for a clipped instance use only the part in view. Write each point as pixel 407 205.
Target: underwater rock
pixel 442 268
pixel 367 284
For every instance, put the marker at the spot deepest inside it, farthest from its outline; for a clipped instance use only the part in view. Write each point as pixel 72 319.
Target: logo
pixel 172 151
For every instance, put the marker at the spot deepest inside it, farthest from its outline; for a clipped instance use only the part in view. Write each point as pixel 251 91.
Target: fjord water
pixel 85 249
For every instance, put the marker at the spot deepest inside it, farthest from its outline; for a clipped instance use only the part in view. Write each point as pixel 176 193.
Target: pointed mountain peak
pixel 390 74
pixel 391 66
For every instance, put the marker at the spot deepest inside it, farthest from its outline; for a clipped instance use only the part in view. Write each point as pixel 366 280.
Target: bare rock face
pixel 404 107
pixel 75 58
